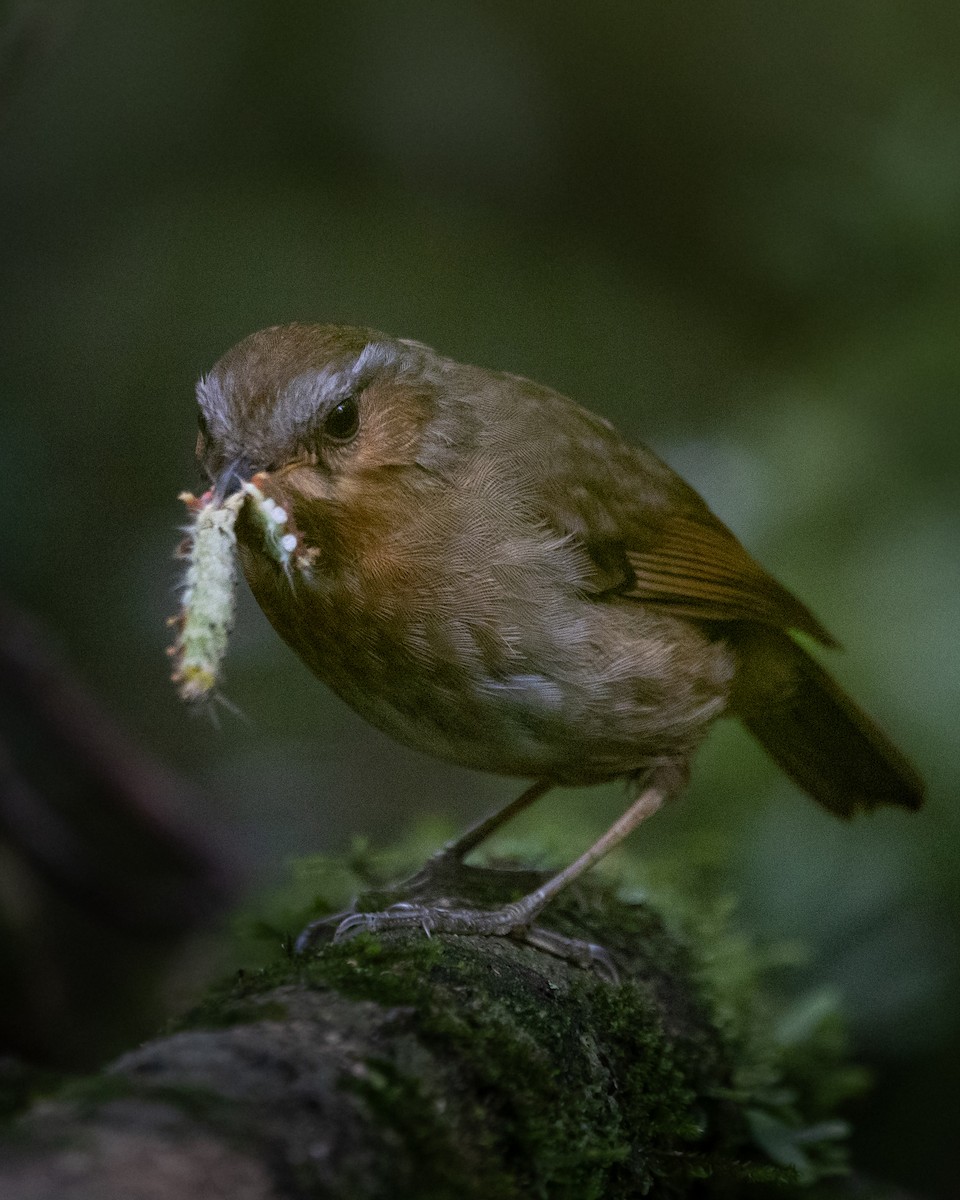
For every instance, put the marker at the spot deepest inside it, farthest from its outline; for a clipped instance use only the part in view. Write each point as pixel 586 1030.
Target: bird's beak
pixel 231 479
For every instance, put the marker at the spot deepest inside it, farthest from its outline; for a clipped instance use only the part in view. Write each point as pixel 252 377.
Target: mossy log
pixel 421 1068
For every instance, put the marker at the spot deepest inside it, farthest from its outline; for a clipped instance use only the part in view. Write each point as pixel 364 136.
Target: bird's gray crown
pixel 232 395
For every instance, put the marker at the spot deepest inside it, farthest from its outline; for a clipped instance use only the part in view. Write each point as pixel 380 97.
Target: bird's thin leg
pixel 646 804
pixel 438 876
pixel 516 919
pixel 443 872
pixel 471 838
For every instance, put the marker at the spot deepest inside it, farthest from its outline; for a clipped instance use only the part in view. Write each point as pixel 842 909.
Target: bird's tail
pixel 823 740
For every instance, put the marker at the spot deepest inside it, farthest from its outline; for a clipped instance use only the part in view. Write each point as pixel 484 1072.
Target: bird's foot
pixel 512 920
pixel 446 874
pixel 442 876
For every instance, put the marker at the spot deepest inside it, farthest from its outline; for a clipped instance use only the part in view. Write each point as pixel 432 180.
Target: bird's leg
pixel 461 846
pixel 439 874
pixel 516 919
pixel 438 877
pixel 445 875
pixel 646 804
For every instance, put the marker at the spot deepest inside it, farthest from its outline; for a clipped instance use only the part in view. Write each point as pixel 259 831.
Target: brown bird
pixel 488 572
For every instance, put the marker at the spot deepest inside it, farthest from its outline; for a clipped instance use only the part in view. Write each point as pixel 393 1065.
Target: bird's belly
pixel 578 706
pixel 571 690
pixel 508 727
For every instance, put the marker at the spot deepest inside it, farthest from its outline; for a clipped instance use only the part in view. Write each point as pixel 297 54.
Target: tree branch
pixel 413 1067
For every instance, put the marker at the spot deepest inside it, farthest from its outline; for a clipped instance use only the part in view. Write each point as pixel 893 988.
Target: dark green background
pixel 730 227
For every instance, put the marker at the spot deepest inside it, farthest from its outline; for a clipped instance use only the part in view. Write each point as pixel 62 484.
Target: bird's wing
pixel 692 565
pixel 649 535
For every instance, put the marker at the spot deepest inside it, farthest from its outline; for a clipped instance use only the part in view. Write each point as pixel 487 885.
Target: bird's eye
pixel 343 422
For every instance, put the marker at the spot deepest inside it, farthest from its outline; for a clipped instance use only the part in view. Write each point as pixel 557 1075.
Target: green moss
pixel 695 1043
pixel 93 1091
pixel 400 1102
pixel 791 1071
pixel 21 1084
pixel 569 1078
pixel 236 1000
pixel 517 1075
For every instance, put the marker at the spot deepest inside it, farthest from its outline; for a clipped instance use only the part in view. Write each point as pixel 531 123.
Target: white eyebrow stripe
pixel 305 395
pixel 212 399
pixel 375 355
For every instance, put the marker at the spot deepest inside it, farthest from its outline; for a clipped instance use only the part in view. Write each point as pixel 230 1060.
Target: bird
pixel 490 573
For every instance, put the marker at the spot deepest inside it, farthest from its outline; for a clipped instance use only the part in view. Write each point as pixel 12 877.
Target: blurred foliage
pixel 731 228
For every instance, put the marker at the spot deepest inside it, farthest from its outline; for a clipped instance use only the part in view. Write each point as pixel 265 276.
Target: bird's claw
pixel 588 955
pixel 503 922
